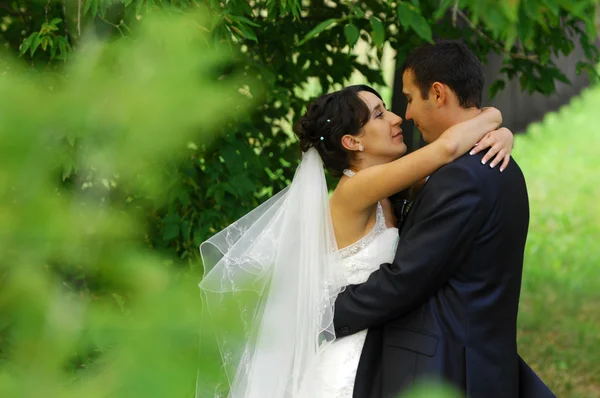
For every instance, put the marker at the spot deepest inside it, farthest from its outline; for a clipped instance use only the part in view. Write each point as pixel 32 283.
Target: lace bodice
pixel 378 228
pixel 376 247
pixel 335 374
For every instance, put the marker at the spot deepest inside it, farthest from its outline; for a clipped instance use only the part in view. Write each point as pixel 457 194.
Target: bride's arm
pixel 375 183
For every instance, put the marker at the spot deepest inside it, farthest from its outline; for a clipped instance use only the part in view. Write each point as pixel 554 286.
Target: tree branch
pixel 46 9
pixel 112 24
pixel 597 21
pixel 79 17
pixel 494 42
pixel 64 9
pixel 454 12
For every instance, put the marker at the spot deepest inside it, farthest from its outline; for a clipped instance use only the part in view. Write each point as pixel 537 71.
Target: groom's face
pixel 422 111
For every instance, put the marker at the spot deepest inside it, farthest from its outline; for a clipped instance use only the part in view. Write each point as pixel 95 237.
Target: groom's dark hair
pixel 451 63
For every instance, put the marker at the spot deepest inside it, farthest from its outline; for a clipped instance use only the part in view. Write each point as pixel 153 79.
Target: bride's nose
pixel 395 119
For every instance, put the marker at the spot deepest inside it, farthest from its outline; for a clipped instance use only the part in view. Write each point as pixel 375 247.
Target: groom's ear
pixel 438 94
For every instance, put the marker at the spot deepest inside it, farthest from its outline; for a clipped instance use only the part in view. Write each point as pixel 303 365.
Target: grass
pixel 559 318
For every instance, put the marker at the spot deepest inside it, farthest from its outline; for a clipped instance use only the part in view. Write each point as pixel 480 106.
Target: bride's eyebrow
pixel 379 106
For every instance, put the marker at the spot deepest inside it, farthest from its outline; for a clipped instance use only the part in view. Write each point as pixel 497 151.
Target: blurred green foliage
pixel 430 389
pixel 89 310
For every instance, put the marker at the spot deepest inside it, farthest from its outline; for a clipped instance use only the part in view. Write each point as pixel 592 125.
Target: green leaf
pixel 71 137
pixel 244 20
pixel 497 86
pixel 351 32
pixel 511 10
pixel 524 82
pixel 185 230
pixel 496 21
pixel 378 34
pixel 28 42
pixel 441 9
pixel 404 14
pixel 591 25
pixel 138 6
pixel 67 170
pixel 318 29
pixel 553 6
pixel 231 187
pixel 35 44
pixel 184 197
pixel 422 28
pixel 55 21
pixel 511 37
pixel 561 77
pixel 545 85
pixel 247 32
pixel 170 231
pixel 358 12
pixel 544 55
pixel 530 7
pixel 63 47
pixel 171 226
pixel 243 185
pixel 91 6
pixel 410 18
pixel 233 161
pixel 44 42
pixel 525 28
pixel 52 50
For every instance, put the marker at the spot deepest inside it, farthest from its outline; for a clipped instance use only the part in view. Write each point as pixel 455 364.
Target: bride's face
pixel 382 135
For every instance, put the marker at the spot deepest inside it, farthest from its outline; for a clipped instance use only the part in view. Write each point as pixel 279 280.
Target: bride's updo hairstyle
pixel 328 119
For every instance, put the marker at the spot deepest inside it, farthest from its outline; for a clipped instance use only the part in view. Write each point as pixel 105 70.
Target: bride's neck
pixel 368 161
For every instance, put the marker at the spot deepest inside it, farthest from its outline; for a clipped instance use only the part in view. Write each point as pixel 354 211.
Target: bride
pixel 277 270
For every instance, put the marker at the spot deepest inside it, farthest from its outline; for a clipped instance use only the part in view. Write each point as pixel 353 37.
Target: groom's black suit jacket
pixel 446 307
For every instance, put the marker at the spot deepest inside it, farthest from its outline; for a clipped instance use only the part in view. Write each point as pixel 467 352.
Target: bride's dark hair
pixel 328 119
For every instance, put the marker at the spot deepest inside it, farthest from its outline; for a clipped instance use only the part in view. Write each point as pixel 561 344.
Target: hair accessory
pixel 322 138
pixel 328 120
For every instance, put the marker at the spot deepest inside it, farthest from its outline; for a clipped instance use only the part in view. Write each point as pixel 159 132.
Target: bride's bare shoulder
pixel 343 212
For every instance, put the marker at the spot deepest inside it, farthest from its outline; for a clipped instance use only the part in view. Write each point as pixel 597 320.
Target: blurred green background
pixel 131 130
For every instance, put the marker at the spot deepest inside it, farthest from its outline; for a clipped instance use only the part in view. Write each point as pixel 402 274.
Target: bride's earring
pixel 360 147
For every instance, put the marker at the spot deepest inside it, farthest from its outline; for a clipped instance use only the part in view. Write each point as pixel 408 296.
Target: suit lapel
pixel 408 220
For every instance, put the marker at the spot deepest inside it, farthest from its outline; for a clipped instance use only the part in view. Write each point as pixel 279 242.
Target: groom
pixel 446 308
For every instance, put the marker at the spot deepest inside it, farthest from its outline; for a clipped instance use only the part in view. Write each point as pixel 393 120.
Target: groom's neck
pixel 458 115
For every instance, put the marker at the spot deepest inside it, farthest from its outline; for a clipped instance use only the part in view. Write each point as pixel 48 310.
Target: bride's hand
pixel 500 143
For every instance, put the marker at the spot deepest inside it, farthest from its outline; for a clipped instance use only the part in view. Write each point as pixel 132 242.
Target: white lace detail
pixel 339 361
pixel 378 228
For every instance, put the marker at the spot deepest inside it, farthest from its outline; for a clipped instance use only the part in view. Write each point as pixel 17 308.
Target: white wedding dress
pixel 338 363
pixel 275 273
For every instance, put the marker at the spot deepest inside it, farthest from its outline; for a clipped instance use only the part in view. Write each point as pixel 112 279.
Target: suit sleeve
pixel 447 221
